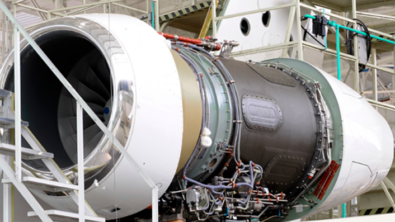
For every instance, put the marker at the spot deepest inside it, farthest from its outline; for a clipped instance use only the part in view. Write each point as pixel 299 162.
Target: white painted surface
pixel 259 35
pixel 156 134
pixel 368 146
pixel 381 218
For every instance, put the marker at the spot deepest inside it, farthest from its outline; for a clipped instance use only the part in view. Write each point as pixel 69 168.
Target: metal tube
pixel 7 196
pixel 155 207
pixel 390 71
pixel 263 49
pixel 213 20
pixel 156 15
pixel 329 51
pixel 374 74
pixel 289 28
pixel 338 53
pixel 83 5
pixel 80 158
pixel 326 45
pixel 390 184
pixel 127 7
pixel 30 199
pixel 387 194
pixel 17 94
pixel 327 13
pixel 393 71
pixel 152 15
pixel 381 105
pixel 82 10
pixel 40 10
pixel 299 30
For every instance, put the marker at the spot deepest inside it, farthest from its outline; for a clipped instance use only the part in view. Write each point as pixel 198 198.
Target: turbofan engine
pixel 219 137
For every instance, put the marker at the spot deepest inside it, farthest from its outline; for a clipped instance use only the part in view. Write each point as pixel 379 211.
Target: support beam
pixel 155 205
pixel 393 70
pixel 299 30
pixel 356 86
pixel 387 194
pixel 80 158
pixel 289 28
pixel 130 8
pixel 21 187
pixel 7 197
pixel 17 94
pixel 214 18
pixel 83 5
pixel 374 75
pixel 373 5
pixel 389 184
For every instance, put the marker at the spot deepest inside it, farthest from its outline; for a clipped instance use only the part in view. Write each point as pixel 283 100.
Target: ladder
pixel 37 151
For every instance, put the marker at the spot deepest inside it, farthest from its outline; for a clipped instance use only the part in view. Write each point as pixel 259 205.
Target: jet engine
pixel 219 137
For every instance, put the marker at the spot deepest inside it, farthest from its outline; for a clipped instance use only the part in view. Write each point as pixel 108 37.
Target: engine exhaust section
pixel 219 137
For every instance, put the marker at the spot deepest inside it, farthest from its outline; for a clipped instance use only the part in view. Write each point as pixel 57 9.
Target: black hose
pixel 350 42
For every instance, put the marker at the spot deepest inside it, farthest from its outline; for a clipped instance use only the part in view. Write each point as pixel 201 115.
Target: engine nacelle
pixel 259 137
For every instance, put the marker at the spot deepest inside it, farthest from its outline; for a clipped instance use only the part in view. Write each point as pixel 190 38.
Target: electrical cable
pixel 306 31
pixel 350 42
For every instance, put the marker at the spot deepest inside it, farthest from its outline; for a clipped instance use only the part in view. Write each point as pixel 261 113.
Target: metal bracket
pixel 227 48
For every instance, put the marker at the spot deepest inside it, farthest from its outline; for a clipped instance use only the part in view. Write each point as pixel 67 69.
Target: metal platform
pixel 58 215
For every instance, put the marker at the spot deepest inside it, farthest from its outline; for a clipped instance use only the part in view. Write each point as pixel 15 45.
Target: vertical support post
pixel 393 76
pixel 326 43
pixel 3 36
pixel 387 194
pixel 80 157
pixel 152 14
pixel 344 210
pixel 356 63
pixel 339 211
pixel 389 183
pixel 289 28
pixel 7 198
pixel 299 30
pixel 17 91
pixel 8 189
pixel 157 11
pixel 155 207
pixel 339 75
pixel 374 75
pixel 331 213
pixel 147 7
pixel 214 18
